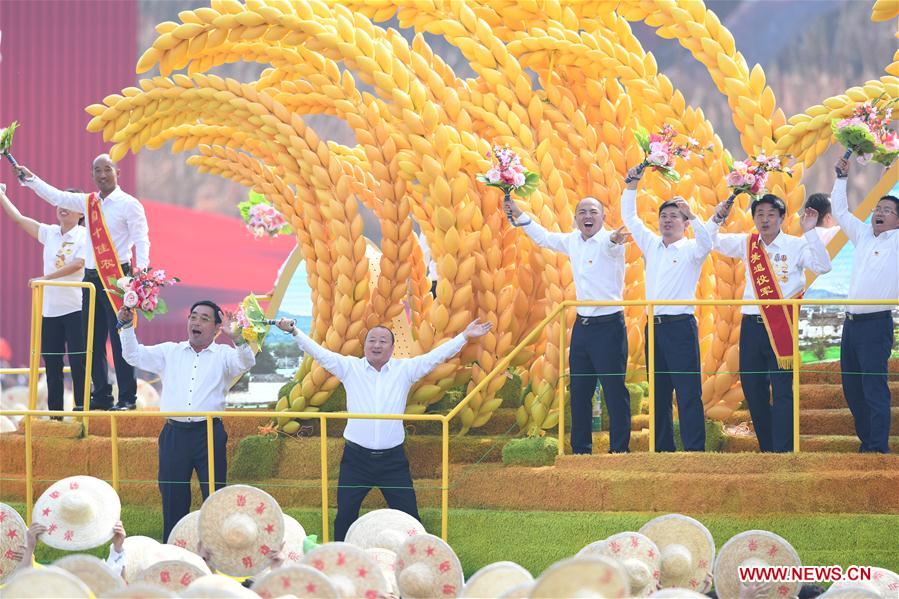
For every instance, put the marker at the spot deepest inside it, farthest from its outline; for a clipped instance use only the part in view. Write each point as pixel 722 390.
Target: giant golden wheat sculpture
pixel 422 136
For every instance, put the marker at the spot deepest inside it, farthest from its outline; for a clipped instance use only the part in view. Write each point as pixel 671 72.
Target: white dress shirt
pixel 672 271
pixel 60 251
pixel 191 381
pixel 124 216
pixel 116 560
pixel 875 268
pixel 789 256
pixel 369 391
pixel 426 256
pixel 827 233
pixel 597 264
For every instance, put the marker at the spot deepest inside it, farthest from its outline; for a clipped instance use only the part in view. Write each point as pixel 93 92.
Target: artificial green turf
pixel 537 539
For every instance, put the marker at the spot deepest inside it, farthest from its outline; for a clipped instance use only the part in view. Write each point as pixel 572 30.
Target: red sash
pixel 104 253
pixel 778 319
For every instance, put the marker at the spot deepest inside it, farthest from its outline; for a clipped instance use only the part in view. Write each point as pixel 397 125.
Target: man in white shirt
pixel 673 265
pixel 826 227
pixel 767 387
pixel 869 331
pixel 374 455
pixel 195 377
pixel 127 226
pixel 430 264
pixel 61 329
pixel 598 340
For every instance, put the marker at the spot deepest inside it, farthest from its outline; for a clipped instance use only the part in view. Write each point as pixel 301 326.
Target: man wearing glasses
pixel 868 332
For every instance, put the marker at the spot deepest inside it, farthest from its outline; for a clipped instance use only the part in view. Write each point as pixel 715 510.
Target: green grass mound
pixel 531 451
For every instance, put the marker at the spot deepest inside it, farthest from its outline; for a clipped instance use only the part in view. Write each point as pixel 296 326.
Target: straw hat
pixel 7 425
pixel 79 513
pixel 12 536
pixel 519 591
pixel 495 579
pixel 584 576
pixel 143 552
pixel 186 533
pixel 427 567
pixel 92 571
pixel 241 526
pixel 678 593
pixel 386 560
pixel 218 586
pixel 353 573
pixel 639 556
pixel 852 590
pixel 687 550
pixel 173 574
pixel 884 582
pixel 44 583
pixel 301 581
pixel 294 535
pixel 140 591
pixel 754 548
pixel 383 528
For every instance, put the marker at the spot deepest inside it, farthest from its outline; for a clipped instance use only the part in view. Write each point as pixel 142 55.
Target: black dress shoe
pixel 122 407
pixel 95 407
pixel 78 408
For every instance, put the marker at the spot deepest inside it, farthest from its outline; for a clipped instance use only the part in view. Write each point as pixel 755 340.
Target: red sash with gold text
pixel 778 319
pixel 104 253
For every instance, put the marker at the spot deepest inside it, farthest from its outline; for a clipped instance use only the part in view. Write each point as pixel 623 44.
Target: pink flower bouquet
pixel 262 218
pixel 751 175
pixel 661 150
pixel 141 291
pixel 866 132
pixel 249 319
pixel 508 173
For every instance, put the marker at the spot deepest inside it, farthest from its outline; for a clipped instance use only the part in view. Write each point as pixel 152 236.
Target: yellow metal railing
pixel 558 313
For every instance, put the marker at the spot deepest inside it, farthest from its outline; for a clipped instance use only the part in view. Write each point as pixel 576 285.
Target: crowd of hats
pixel 239 530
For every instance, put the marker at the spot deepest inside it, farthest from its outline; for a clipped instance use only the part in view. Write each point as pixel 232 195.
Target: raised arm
pixel 419 366
pixel 146 357
pixel 539 235
pixel 337 364
pixel 140 234
pixel 240 358
pixel 839 203
pixel 814 255
pixel 29 225
pixel 732 245
pixel 642 235
pixel 57 197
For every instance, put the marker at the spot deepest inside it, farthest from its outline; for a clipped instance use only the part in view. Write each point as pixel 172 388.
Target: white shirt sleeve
pixel 732 245
pixel 146 357
pixel 839 203
pixel 42 231
pixel 640 232
pixel 543 238
pixel 615 250
pixel 419 366
pixel 703 238
pixel 337 364
pixel 237 360
pixel 116 560
pixel 813 255
pixel 139 232
pixel 64 199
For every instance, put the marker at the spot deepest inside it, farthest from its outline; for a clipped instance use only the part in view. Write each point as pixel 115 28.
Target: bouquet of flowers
pixel 262 218
pixel 866 132
pixel 751 175
pixel 509 175
pixel 6 136
pixel 661 150
pixel 249 319
pixel 141 291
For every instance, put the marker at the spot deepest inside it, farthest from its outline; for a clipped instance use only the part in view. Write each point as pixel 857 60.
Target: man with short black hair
pixel 826 227
pixel 775 265
pixel 869 331
pixel 195 377
pixel 374 454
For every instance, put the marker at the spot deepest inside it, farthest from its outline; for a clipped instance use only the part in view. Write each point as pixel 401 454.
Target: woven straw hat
pixel 639 556
pixel 585 577
pixel 12 536
pixel 427 567
pixel 852 590
pixel 383 528
pixel 218 586
pixel 519 591
pixel 92 571
pixel 386 560
pixel 173 574
pixel 140 591
pixel 299 581
pixel 7 425
pixel 757 548
pixel 495 579
pixel 79 513
pixel 883 581
pixel 143 552
pixel 353 573
pixel 45 583
pixel 186 533
pixel 678 593
pixel 687 550
pixel 240 526
pixel 294 535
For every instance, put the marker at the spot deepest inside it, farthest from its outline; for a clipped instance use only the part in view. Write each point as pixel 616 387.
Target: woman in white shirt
pixel 61 330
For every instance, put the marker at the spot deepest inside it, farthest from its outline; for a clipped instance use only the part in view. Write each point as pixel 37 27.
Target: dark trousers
pixel 105 328
pixel 864 351
pixel 362 469
pixel 59 335
pixel 767 388
pixel 182 449
pixel 677 371
pixel 599 351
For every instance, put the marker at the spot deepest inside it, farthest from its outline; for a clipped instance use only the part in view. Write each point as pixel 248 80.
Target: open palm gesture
pixel 477 329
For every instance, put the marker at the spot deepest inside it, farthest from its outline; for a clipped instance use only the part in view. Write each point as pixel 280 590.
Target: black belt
pixel 870 315
pixel 94 272
pixel 754 318
pixel 664 318
pixel 198 424
pixel 372 452
pixel 588 320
